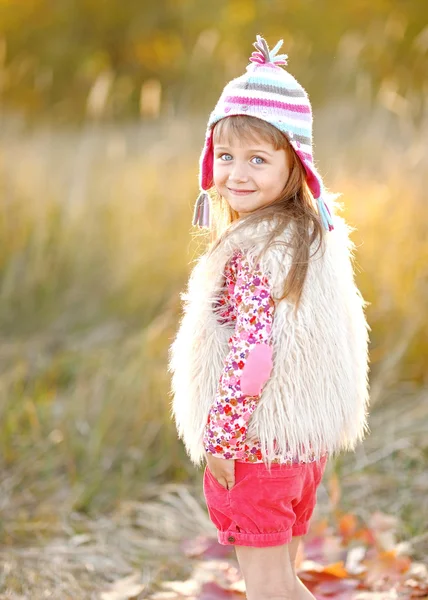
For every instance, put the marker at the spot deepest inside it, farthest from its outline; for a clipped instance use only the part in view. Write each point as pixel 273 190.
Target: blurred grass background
pixel 103 110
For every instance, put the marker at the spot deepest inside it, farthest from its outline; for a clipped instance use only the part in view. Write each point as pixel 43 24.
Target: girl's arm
pixel 247 366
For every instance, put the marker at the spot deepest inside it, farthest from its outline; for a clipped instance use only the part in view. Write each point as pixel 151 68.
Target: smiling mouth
pixel 240 192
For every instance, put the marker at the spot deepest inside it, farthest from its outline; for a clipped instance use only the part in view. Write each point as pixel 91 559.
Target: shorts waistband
pixel 261 465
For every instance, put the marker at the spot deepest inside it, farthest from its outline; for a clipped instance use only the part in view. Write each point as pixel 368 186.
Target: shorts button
pixel 230 538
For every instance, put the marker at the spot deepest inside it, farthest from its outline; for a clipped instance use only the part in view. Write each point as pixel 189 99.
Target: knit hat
pixel 268 92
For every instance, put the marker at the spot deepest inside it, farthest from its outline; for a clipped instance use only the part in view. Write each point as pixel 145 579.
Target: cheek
pixel 274 183
pixel 279 182
pixel 219 175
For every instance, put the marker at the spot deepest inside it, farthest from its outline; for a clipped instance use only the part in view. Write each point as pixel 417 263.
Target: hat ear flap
pixel 206 162
pixel 312 177
pixel 201 213
pixel 314 181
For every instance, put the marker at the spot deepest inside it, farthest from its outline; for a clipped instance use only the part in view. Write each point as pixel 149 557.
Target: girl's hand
pixel 222 469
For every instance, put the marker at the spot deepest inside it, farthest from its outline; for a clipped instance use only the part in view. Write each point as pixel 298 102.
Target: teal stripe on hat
pixel 304 136
pixel 288 82
pixel 299 132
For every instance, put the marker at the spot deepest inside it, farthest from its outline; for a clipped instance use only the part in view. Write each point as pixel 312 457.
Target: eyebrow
pixel 258 150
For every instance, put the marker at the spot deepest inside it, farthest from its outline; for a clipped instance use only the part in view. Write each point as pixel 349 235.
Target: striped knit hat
pixel 270 93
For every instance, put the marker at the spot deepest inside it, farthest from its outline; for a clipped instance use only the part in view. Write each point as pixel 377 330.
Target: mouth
pixel 240 192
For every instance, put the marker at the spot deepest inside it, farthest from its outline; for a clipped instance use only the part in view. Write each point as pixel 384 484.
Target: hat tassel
pixel 325 213
pixel 201 214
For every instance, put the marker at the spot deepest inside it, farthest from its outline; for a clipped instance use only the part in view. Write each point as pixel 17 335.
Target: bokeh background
pixel 103 106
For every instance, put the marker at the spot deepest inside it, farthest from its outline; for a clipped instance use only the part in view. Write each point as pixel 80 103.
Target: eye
pixel 258 160
pixel 225 157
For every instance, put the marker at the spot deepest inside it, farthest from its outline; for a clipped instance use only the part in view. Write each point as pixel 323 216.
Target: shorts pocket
pixel 214 480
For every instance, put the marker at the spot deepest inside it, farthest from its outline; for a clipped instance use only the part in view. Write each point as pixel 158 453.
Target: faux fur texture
pixel 317 394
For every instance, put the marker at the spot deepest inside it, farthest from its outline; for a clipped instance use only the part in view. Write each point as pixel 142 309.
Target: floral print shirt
pixel 247 302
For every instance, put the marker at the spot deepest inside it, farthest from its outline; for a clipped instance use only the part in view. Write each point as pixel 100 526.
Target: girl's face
pixel 249 175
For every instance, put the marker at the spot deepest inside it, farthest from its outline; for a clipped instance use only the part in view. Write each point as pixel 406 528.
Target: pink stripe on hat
pixel 299 108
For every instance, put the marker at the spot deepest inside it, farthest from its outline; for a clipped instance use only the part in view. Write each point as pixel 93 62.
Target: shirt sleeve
pixel 247 366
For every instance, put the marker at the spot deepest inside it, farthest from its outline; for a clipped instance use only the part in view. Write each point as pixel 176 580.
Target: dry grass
pixel 81 556
pixel 95 250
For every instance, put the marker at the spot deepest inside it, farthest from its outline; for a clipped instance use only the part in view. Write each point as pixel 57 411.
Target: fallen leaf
pixel 185 588
pixel 386 566
pixel 332 570
pixel 366 536
pixel 124 589
pixel 333 588
pixel 339 596
pixel 212 591
pixel 165 596
pixel 379 521
pixel 383 527
pixel 205 547
pixel 353 560
pixel 348 525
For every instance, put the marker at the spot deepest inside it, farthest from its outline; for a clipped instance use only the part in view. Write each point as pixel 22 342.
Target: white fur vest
pixel 317 394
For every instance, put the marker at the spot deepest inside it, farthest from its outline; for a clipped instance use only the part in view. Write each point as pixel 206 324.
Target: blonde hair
pixel 295 206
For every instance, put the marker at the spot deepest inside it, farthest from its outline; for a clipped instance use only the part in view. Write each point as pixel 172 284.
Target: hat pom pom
pixel 264 55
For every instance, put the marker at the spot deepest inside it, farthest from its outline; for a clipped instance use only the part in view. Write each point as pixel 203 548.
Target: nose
pixel 238 172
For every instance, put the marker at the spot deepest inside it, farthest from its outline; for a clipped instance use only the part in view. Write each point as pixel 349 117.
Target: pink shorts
pixel 262 508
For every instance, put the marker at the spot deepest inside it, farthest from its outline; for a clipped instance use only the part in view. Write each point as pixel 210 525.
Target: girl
pixel 269 365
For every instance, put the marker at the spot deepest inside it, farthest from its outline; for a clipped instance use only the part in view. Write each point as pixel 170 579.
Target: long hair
pixel 295 207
